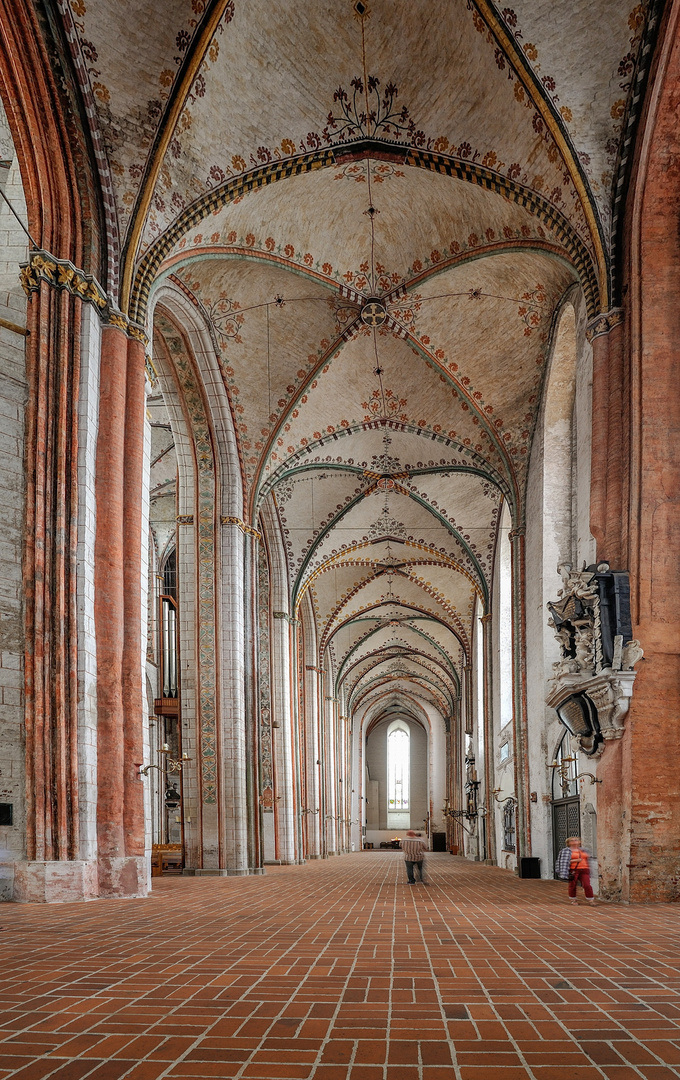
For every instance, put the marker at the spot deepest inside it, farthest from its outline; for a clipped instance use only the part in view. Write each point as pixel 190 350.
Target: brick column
pixel 118 617
pixel 609 471
pixel 54 868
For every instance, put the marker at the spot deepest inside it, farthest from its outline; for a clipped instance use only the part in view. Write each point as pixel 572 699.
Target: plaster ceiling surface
pixel 389 670
pixel 448 218
pixel 387 663
pixel 401 687
pixel 414 533
pixel 417 585
pixel 385 447
pixel 474 359
pixel 365 595
pixel 269 95
pixel 589 86
pixel 132 52
pixel 287 88
pixel 363 639
pixel 452 159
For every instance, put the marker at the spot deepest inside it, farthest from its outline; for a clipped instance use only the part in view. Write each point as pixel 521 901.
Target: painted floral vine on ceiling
pixel 636 22
pixel 383 119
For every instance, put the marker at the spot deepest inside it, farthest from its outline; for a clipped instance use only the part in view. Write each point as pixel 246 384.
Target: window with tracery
pixel 398 766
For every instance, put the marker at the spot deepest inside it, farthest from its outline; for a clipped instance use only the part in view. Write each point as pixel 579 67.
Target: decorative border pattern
pixel 264 676
pixel 205 501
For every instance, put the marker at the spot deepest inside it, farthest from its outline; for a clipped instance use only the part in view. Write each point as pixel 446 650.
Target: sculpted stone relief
pixel 585 667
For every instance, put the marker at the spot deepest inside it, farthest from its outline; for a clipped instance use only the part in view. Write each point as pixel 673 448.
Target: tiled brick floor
pixel 339 970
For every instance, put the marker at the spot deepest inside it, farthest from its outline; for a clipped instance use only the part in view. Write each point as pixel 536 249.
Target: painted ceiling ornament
pixel 380 171
pixel 374 312
pixel 367 110
pixel 386 525
pixel 385 463
pixel 226 319
pixel 390 562
pixel 284 489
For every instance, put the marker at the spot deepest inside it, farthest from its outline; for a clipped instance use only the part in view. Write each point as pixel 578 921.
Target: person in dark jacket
pixel 573 865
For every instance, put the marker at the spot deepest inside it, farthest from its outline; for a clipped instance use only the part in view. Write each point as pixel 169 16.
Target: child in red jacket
pixel 574 859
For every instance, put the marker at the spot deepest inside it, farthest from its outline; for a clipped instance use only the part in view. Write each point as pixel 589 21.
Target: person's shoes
pixel 410 882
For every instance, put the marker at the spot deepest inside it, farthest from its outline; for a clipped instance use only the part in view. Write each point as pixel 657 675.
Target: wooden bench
pixel 166 859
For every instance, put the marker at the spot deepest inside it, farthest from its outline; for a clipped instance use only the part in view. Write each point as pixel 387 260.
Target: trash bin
pixel 529 868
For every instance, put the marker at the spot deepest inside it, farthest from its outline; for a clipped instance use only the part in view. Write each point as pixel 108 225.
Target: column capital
pixel 247 530
pixel 60 274
pixel 604 323
pixel 290 619
pixel 515 534
pixel 64 275
pixel 486 618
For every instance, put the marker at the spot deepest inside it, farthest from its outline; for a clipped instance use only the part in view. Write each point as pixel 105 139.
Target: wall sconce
pixel 563 769
pixel 508 798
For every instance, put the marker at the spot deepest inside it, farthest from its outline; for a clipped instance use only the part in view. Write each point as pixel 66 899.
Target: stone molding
pixel 185 519
pixel 604 323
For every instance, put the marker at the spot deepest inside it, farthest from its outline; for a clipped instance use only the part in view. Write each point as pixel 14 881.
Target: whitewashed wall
pixel 13 395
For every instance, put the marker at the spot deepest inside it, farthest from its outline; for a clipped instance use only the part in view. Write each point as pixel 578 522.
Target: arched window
pixel 398 766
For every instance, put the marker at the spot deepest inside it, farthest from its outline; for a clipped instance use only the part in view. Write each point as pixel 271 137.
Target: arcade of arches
pixel 337 343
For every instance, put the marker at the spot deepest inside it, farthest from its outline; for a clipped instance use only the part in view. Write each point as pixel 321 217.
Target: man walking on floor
pixel 414 848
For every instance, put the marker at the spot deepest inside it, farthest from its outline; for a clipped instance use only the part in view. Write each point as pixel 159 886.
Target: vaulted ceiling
pixel 376 207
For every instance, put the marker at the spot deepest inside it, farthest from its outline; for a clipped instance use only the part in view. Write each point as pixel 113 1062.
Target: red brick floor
pixel 339 970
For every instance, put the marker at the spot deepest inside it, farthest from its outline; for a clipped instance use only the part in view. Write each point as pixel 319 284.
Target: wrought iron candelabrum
pixel 173 765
